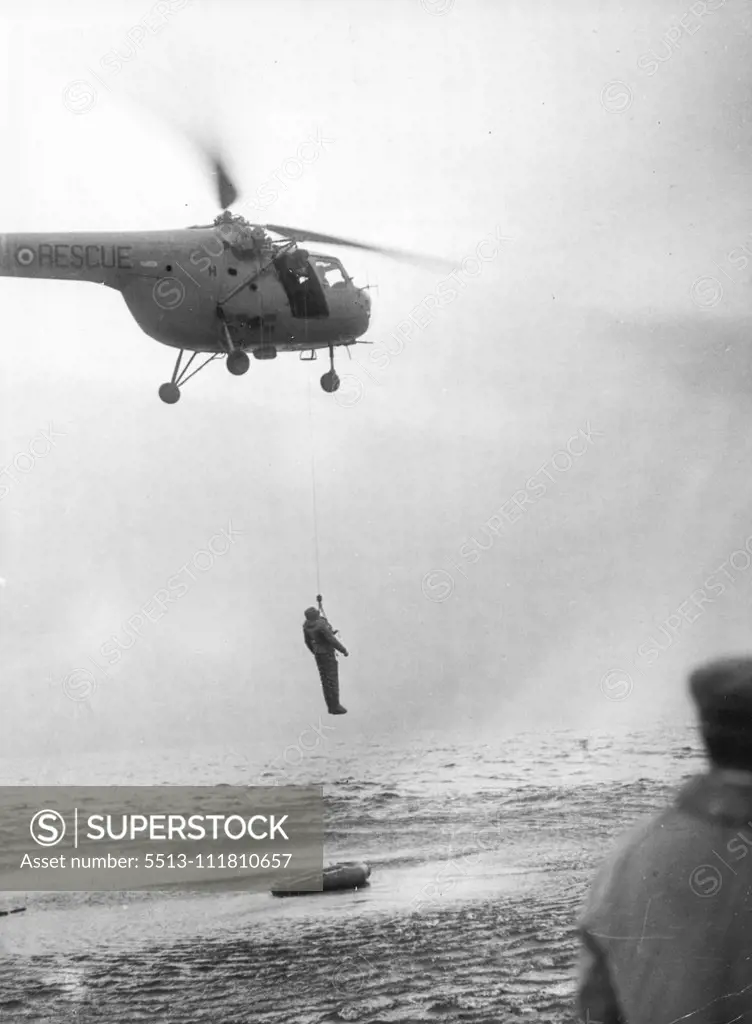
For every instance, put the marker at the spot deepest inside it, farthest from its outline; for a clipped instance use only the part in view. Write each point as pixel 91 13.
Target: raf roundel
pixel 25 256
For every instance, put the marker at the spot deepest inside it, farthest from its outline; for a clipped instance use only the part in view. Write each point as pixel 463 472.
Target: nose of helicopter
pixel 364 302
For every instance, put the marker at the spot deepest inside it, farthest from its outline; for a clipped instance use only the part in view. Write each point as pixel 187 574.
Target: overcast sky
pixel 609 145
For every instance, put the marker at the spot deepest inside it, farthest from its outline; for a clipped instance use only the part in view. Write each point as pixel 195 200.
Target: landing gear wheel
pixel 330 382
pixel 238 362
pixel 169 393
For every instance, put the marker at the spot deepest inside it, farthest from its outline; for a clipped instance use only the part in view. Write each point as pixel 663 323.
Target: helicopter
pixel 220 290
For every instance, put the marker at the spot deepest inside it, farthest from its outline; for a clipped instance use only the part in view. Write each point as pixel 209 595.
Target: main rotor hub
pixel 239 234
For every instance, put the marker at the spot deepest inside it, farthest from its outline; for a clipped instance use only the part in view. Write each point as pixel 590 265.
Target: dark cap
pixel 722 691
pixel 311 613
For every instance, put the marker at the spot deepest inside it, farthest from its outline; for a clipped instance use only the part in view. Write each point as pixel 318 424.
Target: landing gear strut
pixel 330 381
pixel 170 392
pixel 237 360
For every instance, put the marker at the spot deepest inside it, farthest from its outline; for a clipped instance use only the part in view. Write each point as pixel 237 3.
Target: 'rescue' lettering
pixel 76 256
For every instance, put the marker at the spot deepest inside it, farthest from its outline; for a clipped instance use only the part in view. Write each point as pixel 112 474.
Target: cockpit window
pixel 330 272
pixel 302 286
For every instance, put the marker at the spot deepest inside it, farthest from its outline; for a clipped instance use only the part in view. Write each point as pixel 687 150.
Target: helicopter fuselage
pixel 191 288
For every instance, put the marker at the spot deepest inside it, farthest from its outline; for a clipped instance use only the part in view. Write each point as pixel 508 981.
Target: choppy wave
pixel 481 859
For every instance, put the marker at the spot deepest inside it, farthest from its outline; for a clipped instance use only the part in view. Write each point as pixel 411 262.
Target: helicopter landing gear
pixel 330 381
pixel 238 362
pixel 170 392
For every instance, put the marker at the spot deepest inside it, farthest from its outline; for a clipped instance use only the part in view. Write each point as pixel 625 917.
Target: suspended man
pixel 321 641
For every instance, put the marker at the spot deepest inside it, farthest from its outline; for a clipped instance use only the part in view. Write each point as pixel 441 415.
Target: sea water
pixel 481 856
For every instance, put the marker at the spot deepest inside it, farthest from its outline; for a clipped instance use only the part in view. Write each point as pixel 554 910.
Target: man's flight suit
pixel 322 643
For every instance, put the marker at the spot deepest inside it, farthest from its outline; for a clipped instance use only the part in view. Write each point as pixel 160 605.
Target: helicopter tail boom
pixel 68 256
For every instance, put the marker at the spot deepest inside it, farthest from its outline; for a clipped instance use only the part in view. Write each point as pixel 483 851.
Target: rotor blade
pixel 299 235
pixel 209 146
pixel 206 139
pixel 226 191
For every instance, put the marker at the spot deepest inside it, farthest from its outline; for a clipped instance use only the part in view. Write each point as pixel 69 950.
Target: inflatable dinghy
pixel 351 875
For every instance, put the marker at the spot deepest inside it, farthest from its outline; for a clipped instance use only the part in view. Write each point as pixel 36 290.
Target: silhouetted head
pixel 311 614
pixel 722 691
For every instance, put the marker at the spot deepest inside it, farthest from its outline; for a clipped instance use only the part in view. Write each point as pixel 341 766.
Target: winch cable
pixel 313 494
pixel 319 598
